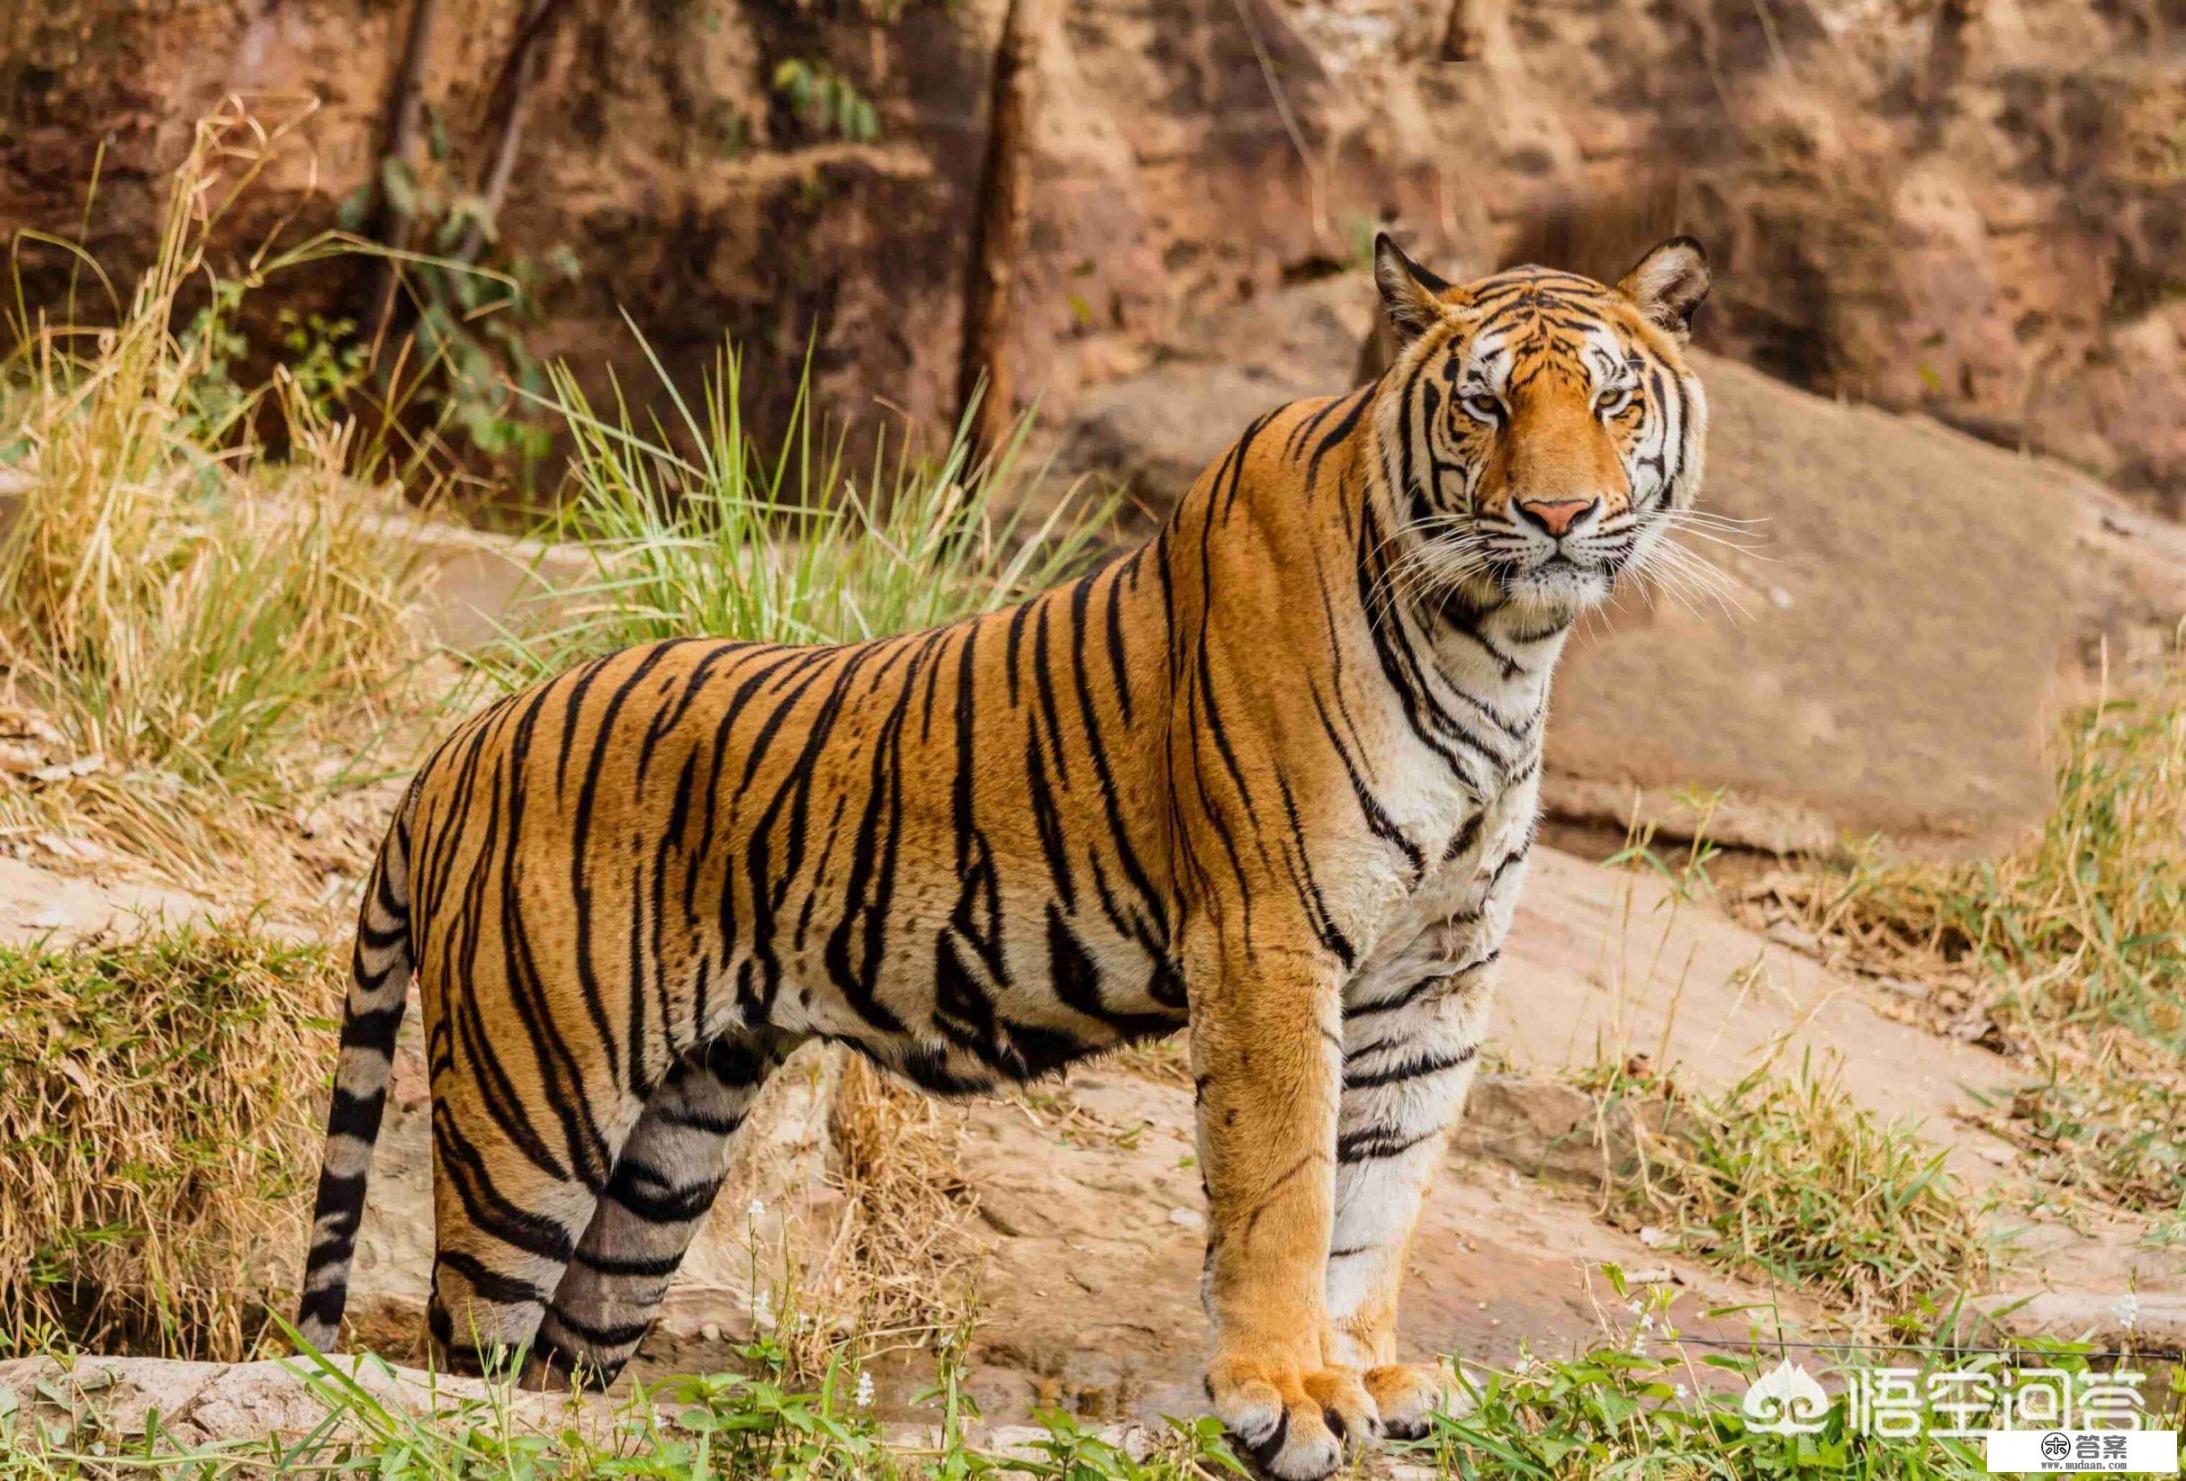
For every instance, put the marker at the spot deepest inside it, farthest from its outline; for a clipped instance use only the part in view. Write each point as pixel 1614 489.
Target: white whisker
pixel 1683 576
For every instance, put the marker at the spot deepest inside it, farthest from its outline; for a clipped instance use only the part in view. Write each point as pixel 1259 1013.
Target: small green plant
pixel 1614 1412
pixel 1687 885
pixel 2111 1130
pixel 475 371
pixel 1191 1450
pixel 823 101
pixel 325 361
pixel 1684 871
pixel 1359 236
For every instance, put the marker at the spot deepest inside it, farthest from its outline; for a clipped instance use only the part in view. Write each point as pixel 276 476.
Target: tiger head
pixel 1539 431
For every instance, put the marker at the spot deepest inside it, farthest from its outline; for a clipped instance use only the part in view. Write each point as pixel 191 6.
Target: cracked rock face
pixel 205 1403
pixel 1966 208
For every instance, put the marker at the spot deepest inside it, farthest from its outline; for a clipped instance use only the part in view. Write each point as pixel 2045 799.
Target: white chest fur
pixel 1457 914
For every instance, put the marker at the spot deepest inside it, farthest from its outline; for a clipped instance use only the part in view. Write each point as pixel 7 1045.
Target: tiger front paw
pixel 1292 1420
pixel 1407 1396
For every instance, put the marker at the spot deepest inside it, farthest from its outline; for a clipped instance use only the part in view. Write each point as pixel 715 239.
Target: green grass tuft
pixel 1794 1178
pixel 1617 1413
pixel 699 530
pixel 159 1101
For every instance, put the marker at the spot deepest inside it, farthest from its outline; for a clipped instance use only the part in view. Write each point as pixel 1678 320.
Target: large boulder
pixel 1885 658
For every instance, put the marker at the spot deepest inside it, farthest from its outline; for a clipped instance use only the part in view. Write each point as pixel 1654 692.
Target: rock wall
pixel 1968 207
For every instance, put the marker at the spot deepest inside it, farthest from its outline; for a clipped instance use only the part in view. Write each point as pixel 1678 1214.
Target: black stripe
pixel 664 1202
pixel 356 1115
pixel 489 1212
pixel 626 1334
pixel 1417 1068
pixel 647 1266
pixel 1412 994
pixel 488 1284
pixel 1358 402
pixel 1378 821
pixel 372 1028
pixel 339 1196
pixel 1376 1143
pixel 323 1307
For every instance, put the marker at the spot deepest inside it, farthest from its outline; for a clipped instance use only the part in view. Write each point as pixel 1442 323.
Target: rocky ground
pixel 1083 1244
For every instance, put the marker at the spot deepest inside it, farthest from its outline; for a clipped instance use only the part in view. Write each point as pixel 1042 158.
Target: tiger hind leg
pixel 507 1225
pixel 662 1188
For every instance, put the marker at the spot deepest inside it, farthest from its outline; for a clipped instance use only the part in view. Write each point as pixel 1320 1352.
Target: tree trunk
pixel 508 107
pixel 402 145
pixel 998 235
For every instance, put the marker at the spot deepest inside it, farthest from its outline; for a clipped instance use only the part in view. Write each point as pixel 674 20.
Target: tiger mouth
pixel 1558 577
pixel 1506 569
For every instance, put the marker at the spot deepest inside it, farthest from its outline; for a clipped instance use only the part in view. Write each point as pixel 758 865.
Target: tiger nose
pixel 1557 516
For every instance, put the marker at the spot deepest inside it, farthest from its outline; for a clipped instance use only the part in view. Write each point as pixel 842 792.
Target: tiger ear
pixel 1669 284
pixel 1410 295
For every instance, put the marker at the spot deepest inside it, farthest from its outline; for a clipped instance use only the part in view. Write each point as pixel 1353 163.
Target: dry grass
pixel 1794 1178
pixel 158 1128
pixel 1165 1061
pixel 185 635
pixel 896 1267
pixel 1790 1176
pixel 2069 952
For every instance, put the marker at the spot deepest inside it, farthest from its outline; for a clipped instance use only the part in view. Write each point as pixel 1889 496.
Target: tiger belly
pixel 977 1012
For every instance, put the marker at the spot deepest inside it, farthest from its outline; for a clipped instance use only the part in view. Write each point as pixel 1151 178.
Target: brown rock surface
pixel 1909 612
pixel 194 1404
pixel 42 904
pixel 1905 601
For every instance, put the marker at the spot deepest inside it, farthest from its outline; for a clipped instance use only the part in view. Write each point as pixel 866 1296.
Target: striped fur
pixel 1274 775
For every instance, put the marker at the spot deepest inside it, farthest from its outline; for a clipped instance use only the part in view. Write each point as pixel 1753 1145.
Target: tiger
pixel 1273 775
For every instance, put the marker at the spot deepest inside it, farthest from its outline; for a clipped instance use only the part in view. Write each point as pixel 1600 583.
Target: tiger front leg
pixel 1410 1049
pixel 1267 1055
